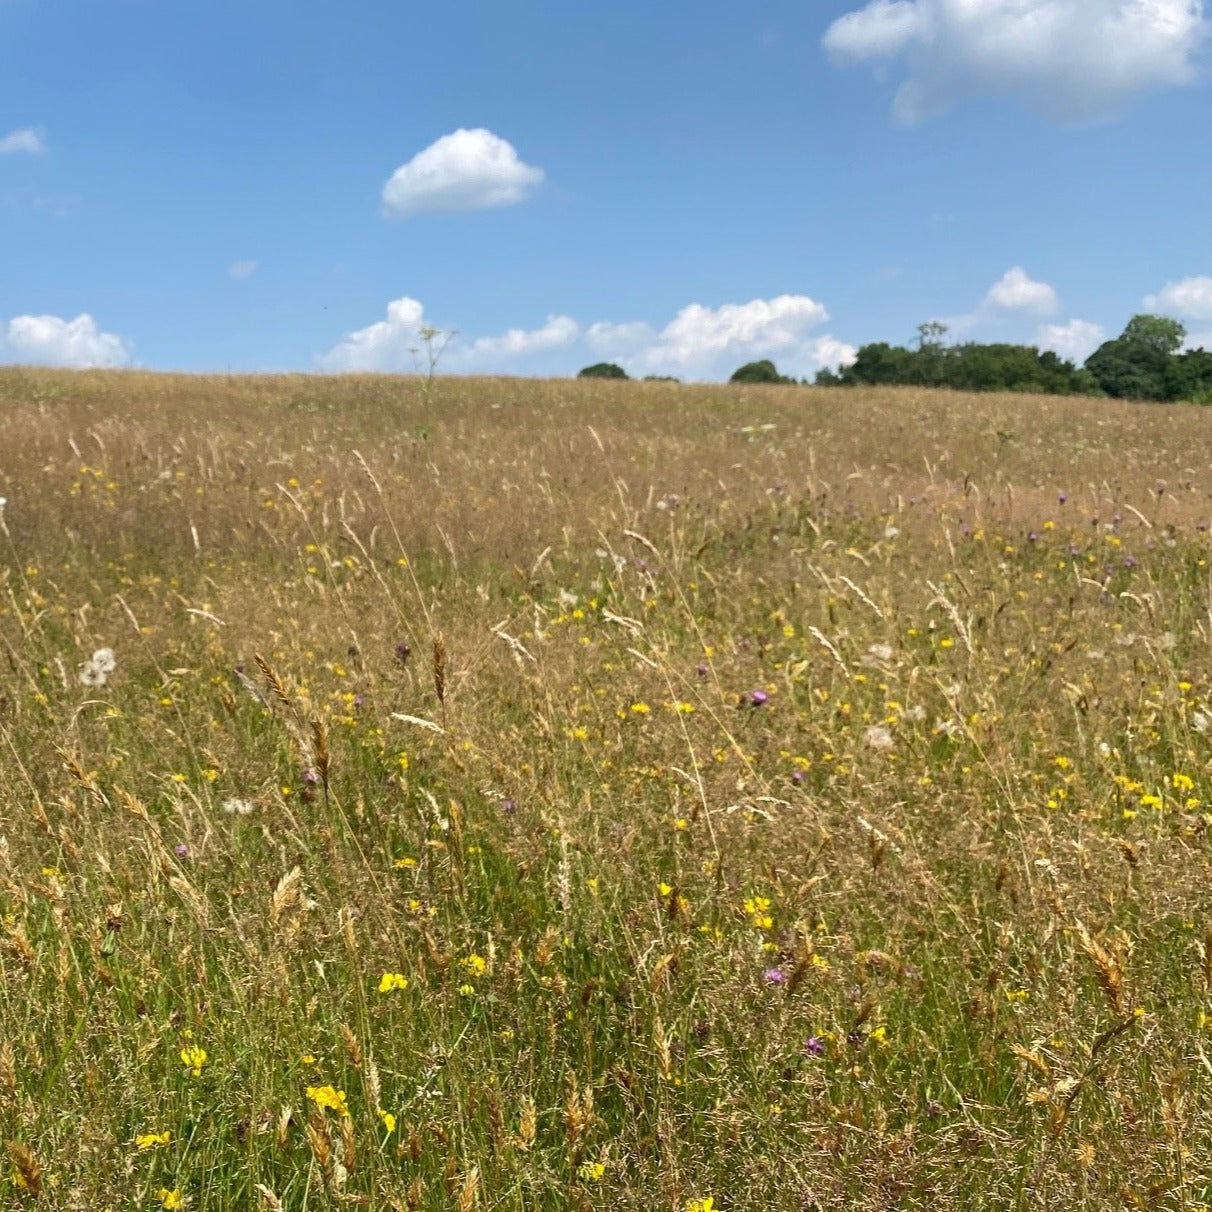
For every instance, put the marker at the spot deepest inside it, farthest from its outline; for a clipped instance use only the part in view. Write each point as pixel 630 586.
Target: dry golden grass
pixel 572 794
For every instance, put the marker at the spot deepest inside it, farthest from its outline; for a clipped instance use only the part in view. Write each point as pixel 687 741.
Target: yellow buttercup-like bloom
pixel 147 1139
pixel 392 980
pixel 193 1058
pixel 328 1097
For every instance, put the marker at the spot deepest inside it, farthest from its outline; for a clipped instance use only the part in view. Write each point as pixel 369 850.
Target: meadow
pixel 578 795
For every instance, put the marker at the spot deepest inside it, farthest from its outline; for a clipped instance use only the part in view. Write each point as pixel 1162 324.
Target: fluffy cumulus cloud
pixel 1076 340
pixel 1073 60
pixel 52 341
pixel 706 342
pixel 387 345
pixel 26 142
pixel 466 170
pixel 698 343
pixel 1016 291
pixel 558 332
pixel 1191 298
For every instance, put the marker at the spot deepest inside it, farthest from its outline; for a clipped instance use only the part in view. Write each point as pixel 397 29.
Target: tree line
pixel 1145 362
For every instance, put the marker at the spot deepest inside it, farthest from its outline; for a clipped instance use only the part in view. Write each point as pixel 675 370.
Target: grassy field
pixel 589 795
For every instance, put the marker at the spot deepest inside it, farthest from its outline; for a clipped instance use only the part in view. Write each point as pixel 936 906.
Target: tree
pixel 1137 364
pixel 758 372
pixel 603 370
pixel 1189 377
pixel 1156 332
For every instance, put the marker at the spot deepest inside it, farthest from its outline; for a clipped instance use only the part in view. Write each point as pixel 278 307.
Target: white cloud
pixel 517 342
pixel 1076 340
pixel 698 337
pixel 619 340
pixel 699 342
pixel 1070 59
pixel 1016 291
pixel 386 345
pixel 832 353
pixel 241 269
pixel 22 142
pixel 1191 297
pixel 51 341
pixel 466 170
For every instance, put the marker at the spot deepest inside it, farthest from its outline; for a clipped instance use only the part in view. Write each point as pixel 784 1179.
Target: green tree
pixel 603 370
pixel 758 372
pixel 1137 364
pixel 1156 332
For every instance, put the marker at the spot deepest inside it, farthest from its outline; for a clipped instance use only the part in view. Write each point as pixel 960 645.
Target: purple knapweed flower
pixel 797 777
pixel 774 976
pixel 815 1046
pixel 310 777
pixel 509 807
pixel 357 700
pixel 701 669
pixel 758 697
pixel 180 850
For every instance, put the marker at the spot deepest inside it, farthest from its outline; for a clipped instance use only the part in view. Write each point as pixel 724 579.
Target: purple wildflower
pixel 815 1046
pixel 1061 497
pixel 509 807
pixel 180 850
pixel 758 697
pixel 310 777
pixel 797 777
pixel 357 700
pixel 701 669
pixel 774 976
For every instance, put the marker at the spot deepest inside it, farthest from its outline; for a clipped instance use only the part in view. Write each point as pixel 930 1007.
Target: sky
pixel 264 185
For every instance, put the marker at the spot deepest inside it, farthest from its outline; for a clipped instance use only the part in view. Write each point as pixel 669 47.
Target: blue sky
pixel 680 187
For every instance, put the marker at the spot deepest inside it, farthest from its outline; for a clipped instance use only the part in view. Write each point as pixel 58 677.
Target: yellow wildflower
pixel 193 1058
pixel 327 1097
pixel 171 1199
pixel 147 1139
pixel 392 980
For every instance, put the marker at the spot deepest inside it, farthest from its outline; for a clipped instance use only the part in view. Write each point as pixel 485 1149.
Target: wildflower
pixel 193 1057
pixel 328 1098
pixel 640 708
pixel 235 806
pixel 757 907
pixel 389 1121
pixel 757 698
pixel 392 980
pixel 591 1172
pixel 95 671
pixel 474 964
pixel 706 1204
pixel 148 1139
pixel 467 990
pixel 405 864
pixel 171 1199
pixel 878 737
pixel 815 1046
pixel 181 850
pixel 774 976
